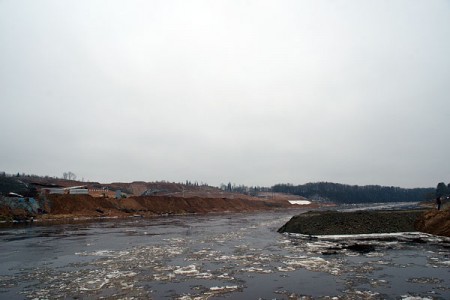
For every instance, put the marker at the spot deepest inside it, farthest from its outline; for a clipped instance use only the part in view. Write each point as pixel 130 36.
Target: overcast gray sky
pixel 252 92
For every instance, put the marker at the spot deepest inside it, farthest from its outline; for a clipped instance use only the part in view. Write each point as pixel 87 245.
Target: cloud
pixel 254 92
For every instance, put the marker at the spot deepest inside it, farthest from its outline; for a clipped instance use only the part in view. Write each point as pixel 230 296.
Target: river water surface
pixel 229 256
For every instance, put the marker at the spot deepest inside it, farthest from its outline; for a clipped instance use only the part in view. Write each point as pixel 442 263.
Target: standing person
pixel 438 202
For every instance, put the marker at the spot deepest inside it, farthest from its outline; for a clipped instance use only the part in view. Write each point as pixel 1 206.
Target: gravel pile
pixel 359 222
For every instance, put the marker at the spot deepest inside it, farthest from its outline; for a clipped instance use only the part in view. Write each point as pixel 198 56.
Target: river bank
pixel 368 222
pixel 72 207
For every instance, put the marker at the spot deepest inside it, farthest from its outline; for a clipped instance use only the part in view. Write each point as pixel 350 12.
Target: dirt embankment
pixel 435 222
pixel 71 206
pixel 364 222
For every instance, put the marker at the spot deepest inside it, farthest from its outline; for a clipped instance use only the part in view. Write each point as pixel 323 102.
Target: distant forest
pixel 321 191
pixel 342 193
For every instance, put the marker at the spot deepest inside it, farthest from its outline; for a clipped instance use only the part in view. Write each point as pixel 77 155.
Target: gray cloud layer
pixel 253 92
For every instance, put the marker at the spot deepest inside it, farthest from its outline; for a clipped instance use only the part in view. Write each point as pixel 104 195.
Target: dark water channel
pixel 233 256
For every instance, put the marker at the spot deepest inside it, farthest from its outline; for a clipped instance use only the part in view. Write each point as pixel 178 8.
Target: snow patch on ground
pixel 300 202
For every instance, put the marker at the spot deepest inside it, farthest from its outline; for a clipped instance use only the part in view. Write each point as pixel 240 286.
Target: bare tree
pixel 69 175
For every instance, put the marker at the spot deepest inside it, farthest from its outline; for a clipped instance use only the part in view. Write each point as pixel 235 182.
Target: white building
pixel 79 191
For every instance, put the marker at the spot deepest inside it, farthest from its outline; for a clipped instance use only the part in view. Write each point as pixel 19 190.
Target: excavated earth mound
pixel 435 222
pixel 73 206
pixel 366 222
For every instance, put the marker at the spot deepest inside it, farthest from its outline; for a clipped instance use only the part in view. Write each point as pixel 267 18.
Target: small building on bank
pixel 73 190
pixel 79 191
pixel 53 191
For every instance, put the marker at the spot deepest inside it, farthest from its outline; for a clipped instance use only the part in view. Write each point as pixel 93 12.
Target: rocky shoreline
pixel 369 222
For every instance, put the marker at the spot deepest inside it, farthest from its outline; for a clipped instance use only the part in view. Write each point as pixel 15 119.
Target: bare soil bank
pixel 365 222
pixel 435 222
pixel 75 206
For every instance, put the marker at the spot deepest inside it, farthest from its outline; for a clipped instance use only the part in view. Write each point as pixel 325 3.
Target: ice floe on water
pixel 395 237
pixel 256 270
pixel 212 291
pixel 104 253
pixel 187 271
pixel 245 262
pixel 224 288
pixel 313 264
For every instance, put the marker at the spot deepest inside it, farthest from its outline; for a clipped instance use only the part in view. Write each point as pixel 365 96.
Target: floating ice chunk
pixel 164 268
pixel 322 244
pixel 374 254
pixel 188 270
pixel 189 297
pixel 107 253
pixel 256 270
pixel 224 288
pixel 225 276
pixel 204 275
pixel 174 240
pixel 93 285
pixel 312 264
pixel 285 269
pixel 369 236
pixel 352 253
pixel 381 262
pixel 298 257
pixel 174 250
pixel 96 253
pixel 119 274
pixel 363 294
pixel 202 252
pixel 222 257
pixel 284 241
pixel 307 262
pixel 378 282
pixel 163 277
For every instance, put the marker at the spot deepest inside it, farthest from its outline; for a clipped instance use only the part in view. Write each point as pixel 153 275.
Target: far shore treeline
pixel 343 193
pixel 319 191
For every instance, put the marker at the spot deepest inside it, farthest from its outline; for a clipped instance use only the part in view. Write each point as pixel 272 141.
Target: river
pixel 228 256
